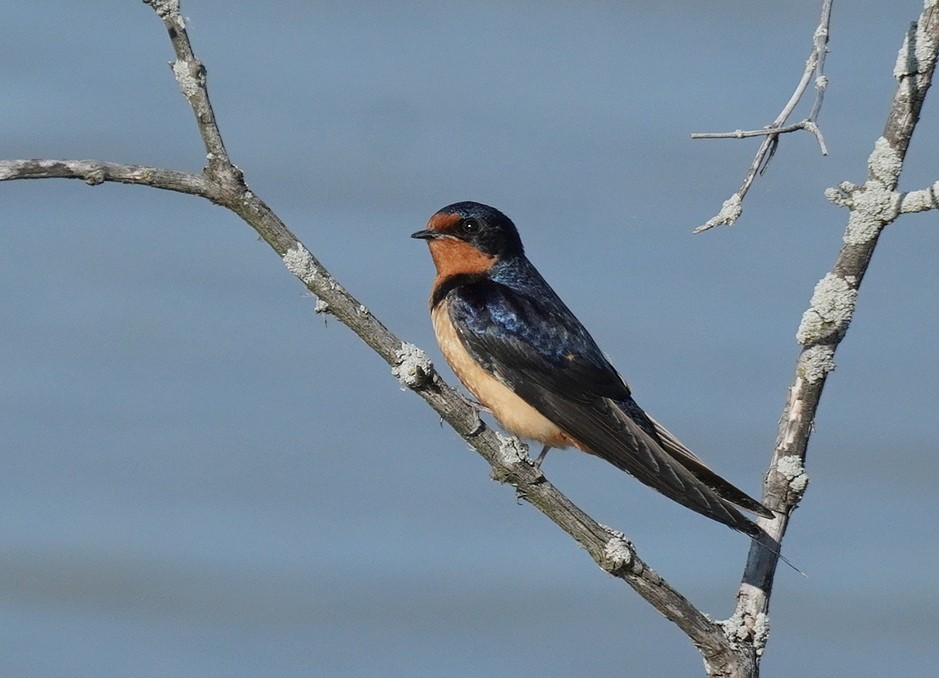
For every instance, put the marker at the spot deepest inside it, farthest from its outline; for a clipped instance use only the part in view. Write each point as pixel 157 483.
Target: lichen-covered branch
pixel 910 202
pixel 190 75
pixel 872 207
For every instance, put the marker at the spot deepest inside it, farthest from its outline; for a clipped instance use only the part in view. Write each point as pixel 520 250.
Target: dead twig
pixel 814 70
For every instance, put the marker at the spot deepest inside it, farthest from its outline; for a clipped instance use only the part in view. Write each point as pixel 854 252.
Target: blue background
pixel 198 476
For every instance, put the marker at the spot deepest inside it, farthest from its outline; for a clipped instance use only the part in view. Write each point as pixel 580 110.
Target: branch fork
pixel 814 66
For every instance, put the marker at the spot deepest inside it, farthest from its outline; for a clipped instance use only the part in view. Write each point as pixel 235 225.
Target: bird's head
pixel 466 238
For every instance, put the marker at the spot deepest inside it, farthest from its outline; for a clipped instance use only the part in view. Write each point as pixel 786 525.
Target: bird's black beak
pixel 426 234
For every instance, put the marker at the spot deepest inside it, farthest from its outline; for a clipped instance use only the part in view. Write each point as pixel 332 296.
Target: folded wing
pixel 539 349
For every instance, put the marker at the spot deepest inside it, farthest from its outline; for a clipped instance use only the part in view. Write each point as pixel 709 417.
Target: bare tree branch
pixel 223 183
pixel 908 202
pixel 190 74
pixel 922 200
pixel 814 65
pixel 872 207
pixel 94 172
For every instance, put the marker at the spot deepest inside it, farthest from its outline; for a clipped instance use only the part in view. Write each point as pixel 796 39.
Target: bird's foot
pixel 541 457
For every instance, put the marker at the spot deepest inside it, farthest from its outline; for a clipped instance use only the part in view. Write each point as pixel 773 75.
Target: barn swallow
pixel 525 357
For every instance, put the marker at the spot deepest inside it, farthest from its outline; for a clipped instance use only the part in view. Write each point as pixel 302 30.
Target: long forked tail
pixel 723 488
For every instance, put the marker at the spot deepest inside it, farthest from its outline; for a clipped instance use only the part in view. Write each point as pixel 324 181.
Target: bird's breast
pixel 516 415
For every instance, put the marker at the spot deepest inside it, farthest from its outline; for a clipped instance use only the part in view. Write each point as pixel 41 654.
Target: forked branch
pixel 872 207
pixel 814 71
pixel 223 183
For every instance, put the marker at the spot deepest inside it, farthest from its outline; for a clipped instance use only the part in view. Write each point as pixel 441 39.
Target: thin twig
pixel 94 172
pixel 814 66
pixel 744 134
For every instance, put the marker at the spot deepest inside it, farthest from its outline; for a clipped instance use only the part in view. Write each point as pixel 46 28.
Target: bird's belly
pixel 516 415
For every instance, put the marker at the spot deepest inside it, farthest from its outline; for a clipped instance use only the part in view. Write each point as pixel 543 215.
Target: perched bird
pixel 522 353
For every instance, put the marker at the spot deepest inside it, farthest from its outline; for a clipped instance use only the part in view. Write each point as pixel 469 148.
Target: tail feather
pixel 723 488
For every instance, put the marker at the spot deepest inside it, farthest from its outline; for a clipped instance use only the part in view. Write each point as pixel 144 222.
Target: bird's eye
pixel 470 226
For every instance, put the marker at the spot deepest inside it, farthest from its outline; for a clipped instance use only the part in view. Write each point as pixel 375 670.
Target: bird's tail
pixel 730 495
pixel 723 488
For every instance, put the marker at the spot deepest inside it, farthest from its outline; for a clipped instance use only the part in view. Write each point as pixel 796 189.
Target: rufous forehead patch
pixel 442 221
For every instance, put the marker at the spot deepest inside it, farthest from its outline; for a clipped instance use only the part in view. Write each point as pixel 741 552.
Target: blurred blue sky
pixel 200 477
